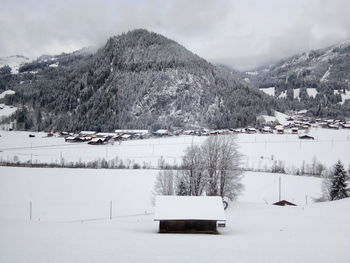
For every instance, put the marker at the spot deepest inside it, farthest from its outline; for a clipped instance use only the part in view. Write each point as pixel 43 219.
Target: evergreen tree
pixel 339 183
pixel 181 189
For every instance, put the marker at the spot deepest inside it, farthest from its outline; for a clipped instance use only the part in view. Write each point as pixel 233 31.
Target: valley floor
pixel 70 221
pixel 260 151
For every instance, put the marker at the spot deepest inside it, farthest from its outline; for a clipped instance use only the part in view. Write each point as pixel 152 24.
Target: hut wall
pixel 187 226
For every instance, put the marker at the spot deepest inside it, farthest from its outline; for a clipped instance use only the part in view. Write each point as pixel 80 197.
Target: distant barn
pixel 284 203
pixel 189 214
pixel 306 137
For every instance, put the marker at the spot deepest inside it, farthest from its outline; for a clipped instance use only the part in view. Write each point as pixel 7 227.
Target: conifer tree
pixel 339 182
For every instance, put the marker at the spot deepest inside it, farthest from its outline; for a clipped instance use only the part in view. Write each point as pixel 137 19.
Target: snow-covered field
pixel 70 221
pixel 259 150
pixel 344 97
pixel 311 92
pixel 269 91
pixel 6 111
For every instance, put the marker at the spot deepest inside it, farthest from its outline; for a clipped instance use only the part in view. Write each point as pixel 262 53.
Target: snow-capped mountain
pixel 138 79
pixel 318 80
pixel 14 62
pixel 329 65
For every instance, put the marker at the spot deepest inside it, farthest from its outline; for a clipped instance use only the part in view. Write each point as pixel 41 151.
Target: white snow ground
pixel 7 92
pixel 14 62
pixel 344 97
pixel 6 111
pixel 70 221
pixel 269 91
pixel 259 150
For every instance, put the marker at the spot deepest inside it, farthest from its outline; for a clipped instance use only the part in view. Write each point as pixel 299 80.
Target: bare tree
pixel 212 168
pixel 229 163
pixel 211 156
pixel 193 174
pixel 165 183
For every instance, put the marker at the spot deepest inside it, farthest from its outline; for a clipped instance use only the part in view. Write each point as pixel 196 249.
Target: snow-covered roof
pixel 87 133
pixel 189 208
pixel 132 131
pixel 6 92
pixel 161 131
pixel 105 134
pixel 96 139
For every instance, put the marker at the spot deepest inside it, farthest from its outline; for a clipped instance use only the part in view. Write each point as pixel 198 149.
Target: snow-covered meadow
pixel 71 207
pixel 259 150
pixel 70 220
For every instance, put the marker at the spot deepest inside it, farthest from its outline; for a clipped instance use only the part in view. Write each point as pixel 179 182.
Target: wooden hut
pixel 189 214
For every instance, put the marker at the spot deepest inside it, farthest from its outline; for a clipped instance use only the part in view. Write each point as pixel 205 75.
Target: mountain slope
pixel 137 80
pixel 14 62
pixel 314 80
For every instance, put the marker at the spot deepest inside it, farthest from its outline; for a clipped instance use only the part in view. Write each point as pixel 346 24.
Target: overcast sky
pixel 240 33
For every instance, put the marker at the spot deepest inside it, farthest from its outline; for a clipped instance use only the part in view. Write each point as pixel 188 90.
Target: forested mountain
pixel 318 80
pixel 137 80
pixel 14 62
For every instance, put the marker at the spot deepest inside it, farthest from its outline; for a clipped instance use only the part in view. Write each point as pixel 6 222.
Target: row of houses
pixel 304 121
pixel 95 138
pixel 293 126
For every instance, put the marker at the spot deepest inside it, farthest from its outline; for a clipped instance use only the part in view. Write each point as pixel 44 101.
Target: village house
pixel 346 125
pixel 279 129
pixel 189 214
pixel 75 139
pixel 97 141
pixel 132 132
pixel 161 133
pixel 266 129
pixel 295 130
pixel 87 133
pixel 251 130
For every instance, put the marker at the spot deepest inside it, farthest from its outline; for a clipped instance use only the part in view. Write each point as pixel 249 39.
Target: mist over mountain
pixel 137 80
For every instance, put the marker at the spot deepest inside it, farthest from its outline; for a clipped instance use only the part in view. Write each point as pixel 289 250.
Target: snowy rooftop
pixel 132 131
pixel 189 208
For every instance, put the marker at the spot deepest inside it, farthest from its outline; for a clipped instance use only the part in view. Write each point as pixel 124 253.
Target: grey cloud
pixel 239 33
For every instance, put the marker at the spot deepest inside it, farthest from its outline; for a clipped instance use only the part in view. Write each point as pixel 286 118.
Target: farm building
pixel 132 132
pixel 97 141
pixel 250 130
pixel 87 133
pixel 306 137
pixel 189 214
pixel 295 130
pixel 161 132
pixel 346 125
pixel 279 129
pixel 284 203
pixel 266 129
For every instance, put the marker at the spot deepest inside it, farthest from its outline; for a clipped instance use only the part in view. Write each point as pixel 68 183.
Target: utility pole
pixel 31 153
pixel 110 209
pixel 30 210
pixel 279 188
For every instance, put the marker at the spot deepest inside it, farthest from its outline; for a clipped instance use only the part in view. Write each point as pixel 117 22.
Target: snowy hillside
pixel 139 79
pixel 14 62
pixel 317 80
pixel 70 221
